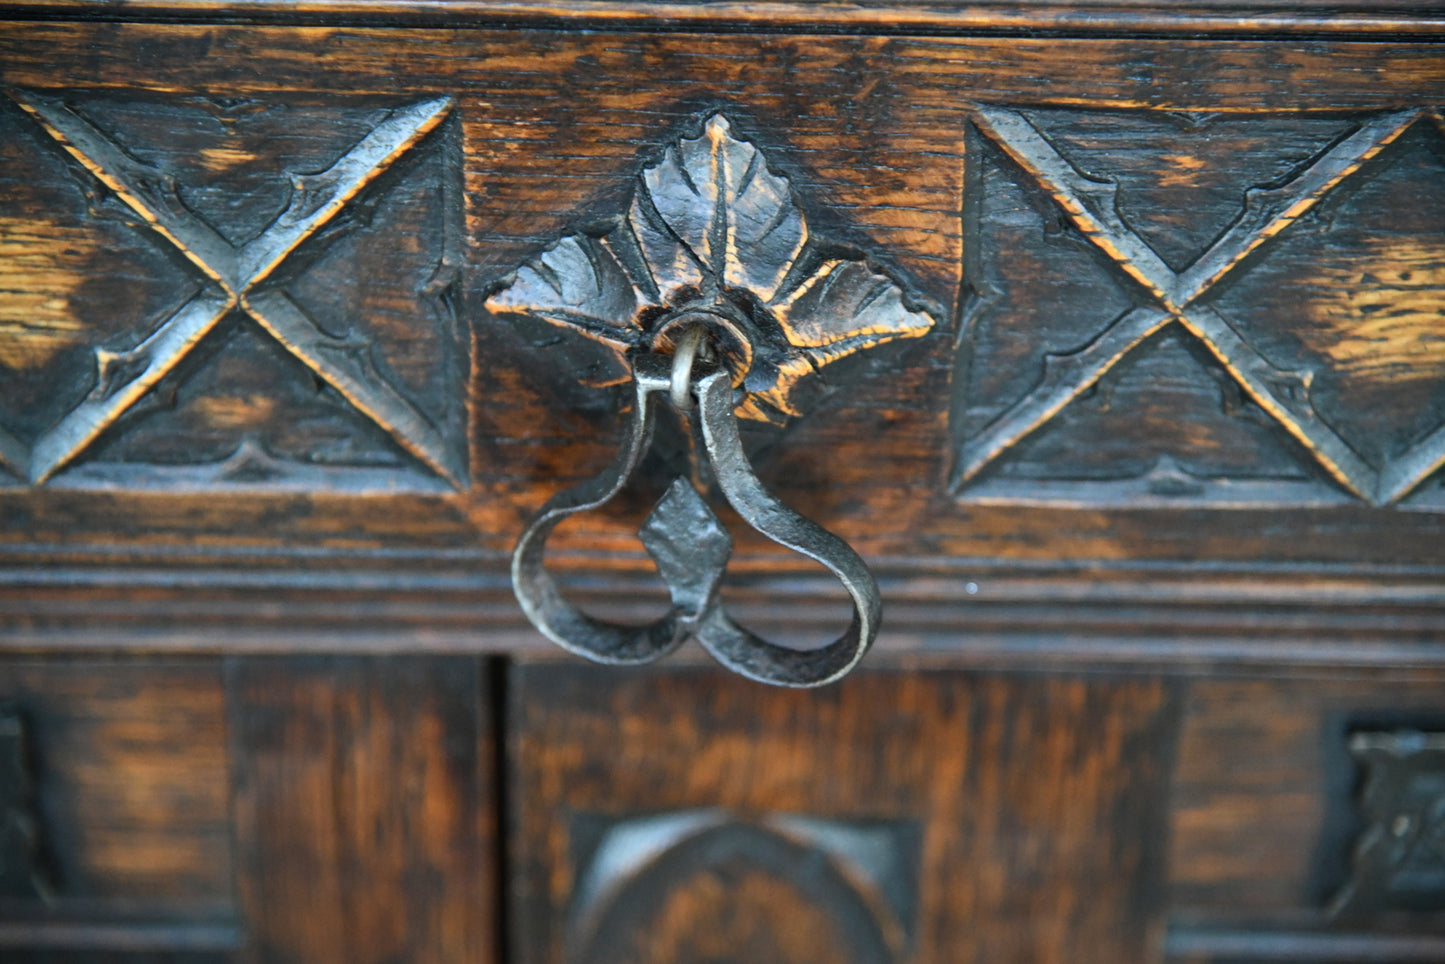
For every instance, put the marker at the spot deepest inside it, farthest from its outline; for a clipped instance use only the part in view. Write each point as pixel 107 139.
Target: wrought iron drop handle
pixel 691 547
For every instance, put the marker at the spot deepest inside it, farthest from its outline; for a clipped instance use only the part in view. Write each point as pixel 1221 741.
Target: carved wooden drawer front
pixel 1193 274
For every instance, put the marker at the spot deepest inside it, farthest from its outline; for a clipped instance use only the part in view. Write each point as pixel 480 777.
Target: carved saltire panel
pixel 1216 309
pixel 706 885
pixel 193 309
pixel 711 227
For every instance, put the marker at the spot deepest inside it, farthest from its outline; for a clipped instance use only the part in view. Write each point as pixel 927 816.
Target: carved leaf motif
pixel 709 221
pixel 718 197
pixel 668 264
pixel 847 299
pixel 576 282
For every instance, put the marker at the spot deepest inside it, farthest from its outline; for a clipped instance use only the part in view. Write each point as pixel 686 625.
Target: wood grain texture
pixel 131 779
pixel 1263 809
pixel 67 255
pixel 869 129
pixel 364 808
pixel 114 957
pixel 312 188
pixel 873 132
pixel 1305 168
pixel 1038 799
pixel 1353 298
pixel 1031 17
pixel 699 885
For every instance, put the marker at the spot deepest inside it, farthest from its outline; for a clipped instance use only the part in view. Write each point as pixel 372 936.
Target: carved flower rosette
pixel 712 234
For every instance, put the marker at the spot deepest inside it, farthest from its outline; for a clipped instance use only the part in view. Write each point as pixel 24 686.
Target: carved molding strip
pixel 1285 394
pixel 233 281
pixel 711 219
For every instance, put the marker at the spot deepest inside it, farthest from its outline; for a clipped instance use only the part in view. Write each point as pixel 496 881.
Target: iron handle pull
pixel 691 548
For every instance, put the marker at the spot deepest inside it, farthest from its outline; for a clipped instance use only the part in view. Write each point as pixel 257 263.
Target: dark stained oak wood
pixel 364 808
pixel 1263 807
pixel 874 134
pixel 1029 16
pixel 1036 797
pixel 131 778
pixel 1156 495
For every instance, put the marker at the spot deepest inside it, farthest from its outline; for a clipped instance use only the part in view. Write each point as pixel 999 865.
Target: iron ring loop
pixel 683 357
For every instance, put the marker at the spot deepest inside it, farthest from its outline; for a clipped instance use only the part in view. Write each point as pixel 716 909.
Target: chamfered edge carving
pixel 874 862
pixel 1399 856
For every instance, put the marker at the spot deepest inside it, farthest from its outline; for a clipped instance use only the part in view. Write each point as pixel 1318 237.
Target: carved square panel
pixel 273 358
pixel 1203 309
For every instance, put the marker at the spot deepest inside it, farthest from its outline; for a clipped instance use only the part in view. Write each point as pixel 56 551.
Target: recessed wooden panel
pixel 129 761
pixel 364 809
pixel 704 885
pixel 1264 813
pixel 1035 800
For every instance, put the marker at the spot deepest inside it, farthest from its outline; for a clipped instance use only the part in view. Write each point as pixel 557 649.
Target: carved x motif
pixel 1284 393
pixel 234 281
